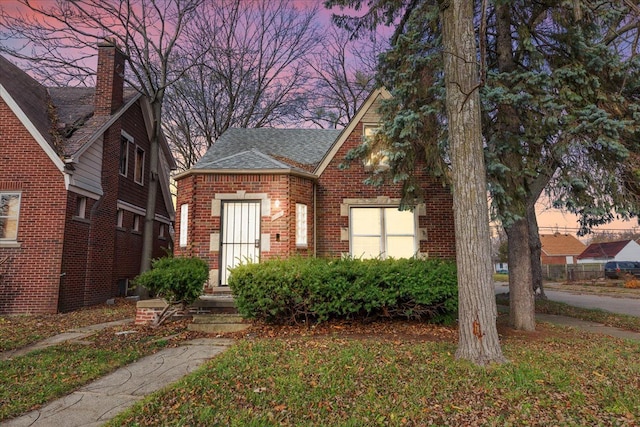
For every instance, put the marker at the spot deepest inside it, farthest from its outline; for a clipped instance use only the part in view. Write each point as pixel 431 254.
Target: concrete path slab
pixel 71 335
pixel 101 400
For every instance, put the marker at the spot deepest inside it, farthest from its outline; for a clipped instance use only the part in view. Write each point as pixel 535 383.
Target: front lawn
pixel 389 377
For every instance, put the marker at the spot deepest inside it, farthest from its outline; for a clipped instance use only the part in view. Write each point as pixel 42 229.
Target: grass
pixel 631 323
pixel 41 376
pixel 20 331
pixel 554 378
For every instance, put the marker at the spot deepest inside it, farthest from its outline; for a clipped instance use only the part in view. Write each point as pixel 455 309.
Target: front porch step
pixel 215 323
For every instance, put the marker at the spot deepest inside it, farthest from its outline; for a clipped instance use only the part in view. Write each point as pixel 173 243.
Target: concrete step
pixel 216 323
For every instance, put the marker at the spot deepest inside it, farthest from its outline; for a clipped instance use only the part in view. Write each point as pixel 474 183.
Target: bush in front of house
pixel 178 280
pixel 315 290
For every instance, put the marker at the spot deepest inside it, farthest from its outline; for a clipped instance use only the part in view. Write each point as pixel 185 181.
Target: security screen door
pixel 240 237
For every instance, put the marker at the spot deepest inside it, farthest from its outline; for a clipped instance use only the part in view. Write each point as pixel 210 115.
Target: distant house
pixel 623 250
pixel 273 193
pixel 73 188
pixel 560 249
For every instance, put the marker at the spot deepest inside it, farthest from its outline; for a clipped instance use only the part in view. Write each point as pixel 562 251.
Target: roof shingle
pixel 301 146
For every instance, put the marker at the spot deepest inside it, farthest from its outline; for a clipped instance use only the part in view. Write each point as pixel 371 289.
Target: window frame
pixel 120 218
pixel 139 167
pixel 16 217
pixel 125 140
pixel 136 223
pixel 377 160
pixel 184 225
pixel 302 225
pixel 81 207
pixel 382 234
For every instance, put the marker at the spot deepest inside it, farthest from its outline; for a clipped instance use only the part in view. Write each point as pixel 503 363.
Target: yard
pixel 341 373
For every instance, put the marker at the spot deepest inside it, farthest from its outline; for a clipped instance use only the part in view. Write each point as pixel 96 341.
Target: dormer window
pixel 377 158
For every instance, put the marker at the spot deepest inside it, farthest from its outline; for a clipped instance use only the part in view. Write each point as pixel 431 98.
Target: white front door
pixel 240 242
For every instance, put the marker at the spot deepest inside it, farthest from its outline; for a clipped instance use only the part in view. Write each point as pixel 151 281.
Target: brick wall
pixel 30 277
pixel 337 184
pixel 283 192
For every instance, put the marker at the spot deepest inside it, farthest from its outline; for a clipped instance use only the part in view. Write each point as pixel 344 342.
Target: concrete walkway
pixel 103 399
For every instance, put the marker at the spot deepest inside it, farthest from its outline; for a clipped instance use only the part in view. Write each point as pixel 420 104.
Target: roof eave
pixel 289 171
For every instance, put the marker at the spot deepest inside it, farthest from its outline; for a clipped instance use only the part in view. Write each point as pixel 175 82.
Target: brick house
pixel 268 193
pixel 73 169
pixel 600 253
pixel 560 249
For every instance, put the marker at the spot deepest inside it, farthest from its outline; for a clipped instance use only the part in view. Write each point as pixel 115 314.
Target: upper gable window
pixel 377 158
pixel 138 175
pixel 124 154
pixel 9 213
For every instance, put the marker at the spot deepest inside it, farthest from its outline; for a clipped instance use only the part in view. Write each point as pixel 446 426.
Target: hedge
pixel 178 280
pixel 315 290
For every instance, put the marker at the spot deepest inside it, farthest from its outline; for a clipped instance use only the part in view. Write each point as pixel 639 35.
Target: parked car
pixel 617 269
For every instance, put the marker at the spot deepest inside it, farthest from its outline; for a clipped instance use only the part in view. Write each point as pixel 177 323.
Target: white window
pixel 301 225
pixel 9 213
pixel 81 207
pixel 138 172
pixel 120 218
pixel 382 232
pixel 162 232
pixel 124 155
pixel 377 159
pixel 136 222
pixel 184 219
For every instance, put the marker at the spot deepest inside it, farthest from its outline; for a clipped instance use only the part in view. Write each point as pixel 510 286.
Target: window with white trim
pixel 138 172
pixel 162 231
pixel 301 225
pixel 378 158
pixel 136 222
pixel 120 218
pixel 124 155
pixel 382 232
pixel 81 207
pixel 184 221
pixel 9 215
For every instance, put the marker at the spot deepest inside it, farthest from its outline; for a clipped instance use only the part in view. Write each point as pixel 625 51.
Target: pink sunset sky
pixel 549 219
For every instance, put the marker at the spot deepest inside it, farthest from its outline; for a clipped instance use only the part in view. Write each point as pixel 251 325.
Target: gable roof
pixel 558 244
pixel 29 95
pixel 603 250
pixel 267 148
pixel 364 108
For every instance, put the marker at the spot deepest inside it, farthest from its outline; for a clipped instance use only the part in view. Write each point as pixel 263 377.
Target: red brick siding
pixel 199 190
pixel 336 184
pixel 30 277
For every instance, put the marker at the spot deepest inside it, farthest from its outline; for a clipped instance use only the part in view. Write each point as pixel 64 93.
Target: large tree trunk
pixel 536 251
pixel 521 298
pixel 478 335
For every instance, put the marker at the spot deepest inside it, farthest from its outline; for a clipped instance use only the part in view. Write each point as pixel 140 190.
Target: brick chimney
pixel 109 78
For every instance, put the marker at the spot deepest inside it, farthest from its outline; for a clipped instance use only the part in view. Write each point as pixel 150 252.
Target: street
pixel 628 306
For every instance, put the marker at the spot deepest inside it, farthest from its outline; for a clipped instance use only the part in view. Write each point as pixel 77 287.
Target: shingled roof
pixel 604 250
pixel 559 244
pixel 31 96
pixel 268 148
pixel 72 113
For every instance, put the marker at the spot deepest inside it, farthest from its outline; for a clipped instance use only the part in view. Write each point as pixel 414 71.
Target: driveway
pixel 621 305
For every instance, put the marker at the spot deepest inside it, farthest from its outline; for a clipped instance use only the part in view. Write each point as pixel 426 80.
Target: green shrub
pixel 178 280
pixel 313 289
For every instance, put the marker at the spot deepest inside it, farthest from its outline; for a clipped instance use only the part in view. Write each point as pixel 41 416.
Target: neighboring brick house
pixel 267 193
pixel 73 174
pixel 560 249
pixel 622 250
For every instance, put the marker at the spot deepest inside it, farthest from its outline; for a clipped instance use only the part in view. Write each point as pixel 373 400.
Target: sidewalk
pixel 103 399
pixel 98 402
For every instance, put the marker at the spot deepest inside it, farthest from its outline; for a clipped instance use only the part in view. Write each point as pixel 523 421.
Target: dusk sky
pixel 549 219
